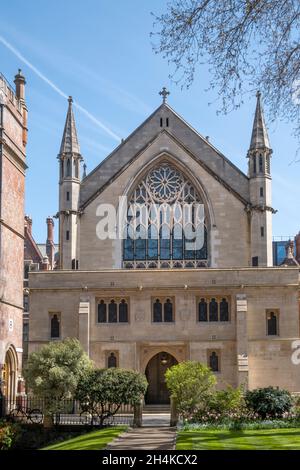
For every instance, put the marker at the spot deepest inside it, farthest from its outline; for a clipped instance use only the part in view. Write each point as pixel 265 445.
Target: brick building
pixel 37 257
pixel 13 138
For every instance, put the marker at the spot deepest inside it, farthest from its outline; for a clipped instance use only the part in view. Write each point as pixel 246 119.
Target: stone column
pixel 174 413
pixel 242 340
pixel 138 415
pixel 84 323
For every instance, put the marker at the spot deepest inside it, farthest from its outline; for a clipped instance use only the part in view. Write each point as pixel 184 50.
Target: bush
pixel 53 371
pixel 222 405
pixel 101 392
pixel 269 402
pixel 191 385
pixel 8 434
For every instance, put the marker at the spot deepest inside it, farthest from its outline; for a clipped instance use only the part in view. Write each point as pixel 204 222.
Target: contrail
pixel 57 89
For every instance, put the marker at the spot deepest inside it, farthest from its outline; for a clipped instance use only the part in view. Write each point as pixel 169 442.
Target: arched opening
pixel 157 392
pixel 167 221
pixel 9 375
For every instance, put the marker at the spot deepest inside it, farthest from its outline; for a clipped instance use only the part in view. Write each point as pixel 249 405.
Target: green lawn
pixel 261 439
pixel 94 440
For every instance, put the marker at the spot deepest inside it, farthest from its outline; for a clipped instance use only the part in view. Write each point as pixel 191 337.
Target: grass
pixel 94 440
pixel 260 439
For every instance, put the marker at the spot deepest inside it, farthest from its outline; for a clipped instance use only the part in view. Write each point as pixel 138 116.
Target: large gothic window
pixel 166 224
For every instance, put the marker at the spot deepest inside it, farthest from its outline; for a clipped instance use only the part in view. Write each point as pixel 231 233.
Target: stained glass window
pixel 213 310
pixel 157 311
pixel 102 312
pixel 112 312
pixel 202 310
pixel 123 312
pixel 214 362
pixel 167 230
pixel 224 310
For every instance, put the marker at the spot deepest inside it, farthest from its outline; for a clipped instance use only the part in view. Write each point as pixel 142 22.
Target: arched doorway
pixel 9 375
pixel 157 392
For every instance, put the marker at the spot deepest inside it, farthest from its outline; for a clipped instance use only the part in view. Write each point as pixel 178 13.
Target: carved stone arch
pixel 166 157
pixel 9 373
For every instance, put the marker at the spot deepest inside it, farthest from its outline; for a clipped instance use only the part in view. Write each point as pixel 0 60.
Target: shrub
pixel 8 434
pixel 269 402
pixel 103 391
pixel 222 405
pixel 54 371
pixel 191 385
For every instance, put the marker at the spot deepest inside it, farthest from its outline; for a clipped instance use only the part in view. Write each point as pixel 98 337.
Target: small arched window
pixel 68 168
pixel 213 310
pixel 214 362
pixel 168 311
pixel 260 160
pixel 272 324
pixel 111 360
pixel 61 169
pixel 55 327
pixel 157 311
pixel 224 310
pixel 102 317
pixel 112 312
pixel 123 312
pixel 76 169
pixel 202 310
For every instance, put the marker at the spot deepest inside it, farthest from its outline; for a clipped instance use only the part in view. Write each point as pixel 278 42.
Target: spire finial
pixel 259 137
pixel 164 93
pixel 70 142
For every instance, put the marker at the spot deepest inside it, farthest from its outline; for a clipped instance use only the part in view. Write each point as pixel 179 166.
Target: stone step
pixel 156 409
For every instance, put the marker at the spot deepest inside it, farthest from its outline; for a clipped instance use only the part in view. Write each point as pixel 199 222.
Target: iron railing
pixel 31 410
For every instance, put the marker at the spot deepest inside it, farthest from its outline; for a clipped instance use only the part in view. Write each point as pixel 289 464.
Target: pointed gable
pixel 164 119
pixel 69 143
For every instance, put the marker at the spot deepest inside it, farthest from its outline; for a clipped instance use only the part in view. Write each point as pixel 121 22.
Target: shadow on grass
pixel 94 440
pixel 244 439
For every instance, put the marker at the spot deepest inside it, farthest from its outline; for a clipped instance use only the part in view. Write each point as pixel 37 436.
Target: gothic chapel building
pixel 148 301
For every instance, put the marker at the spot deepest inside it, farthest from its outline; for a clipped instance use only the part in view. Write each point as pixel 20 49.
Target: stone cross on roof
pixel 164 93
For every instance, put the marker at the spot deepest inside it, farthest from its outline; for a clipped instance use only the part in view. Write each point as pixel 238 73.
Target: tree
pixel 247 44
pixel 101 392
pixel 190 384
pixel 53 372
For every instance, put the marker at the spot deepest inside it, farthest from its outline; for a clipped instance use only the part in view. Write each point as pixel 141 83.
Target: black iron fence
pixel 31 410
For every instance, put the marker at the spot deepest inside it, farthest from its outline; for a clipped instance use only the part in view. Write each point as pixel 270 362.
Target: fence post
pixel 138 415
pixel 174 413
pixel 2 406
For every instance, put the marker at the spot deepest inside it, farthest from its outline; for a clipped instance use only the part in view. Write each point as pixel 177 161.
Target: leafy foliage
pixel 53 372
pixel 226 401
pixel 269 402
pixel 8 433
pixel 101 392
pixel 191 385
pixel 247 44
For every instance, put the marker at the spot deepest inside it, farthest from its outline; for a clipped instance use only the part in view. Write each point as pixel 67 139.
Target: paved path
pixel 145 438
pixel 156 419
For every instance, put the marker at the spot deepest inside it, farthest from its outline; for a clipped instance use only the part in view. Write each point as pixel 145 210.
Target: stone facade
pixel 13 138
pixel 238 314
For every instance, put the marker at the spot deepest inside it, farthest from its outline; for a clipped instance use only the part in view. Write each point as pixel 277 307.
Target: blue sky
pixel 100 53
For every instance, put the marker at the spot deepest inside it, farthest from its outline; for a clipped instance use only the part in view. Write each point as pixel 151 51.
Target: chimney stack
pixel 28 223
pixel 297 240
pixel 50 242
pixel 20 83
